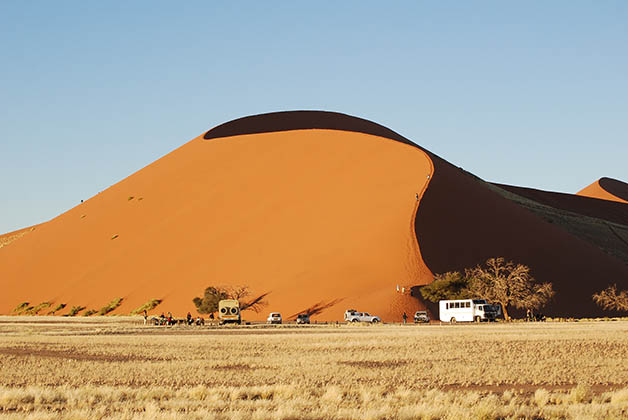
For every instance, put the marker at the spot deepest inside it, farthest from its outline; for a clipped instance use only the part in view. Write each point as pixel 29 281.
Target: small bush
pixel 130 198
pixel 36 309
pixel 21 307
pixel 110 307
pixel 75 310
pixel 150 305
pixel 90 312
pixel 57 308
pixel 114 236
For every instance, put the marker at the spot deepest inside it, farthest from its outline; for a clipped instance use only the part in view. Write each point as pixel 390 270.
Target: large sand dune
pixel 310 207
pixel 308 215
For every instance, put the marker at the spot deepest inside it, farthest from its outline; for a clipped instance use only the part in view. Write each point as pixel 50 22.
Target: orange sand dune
pixel 308 215
pixel 607 189
pixel 312 207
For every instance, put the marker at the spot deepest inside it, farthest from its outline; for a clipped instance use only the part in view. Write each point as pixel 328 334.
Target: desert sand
pixel 310 207
pixel 308 216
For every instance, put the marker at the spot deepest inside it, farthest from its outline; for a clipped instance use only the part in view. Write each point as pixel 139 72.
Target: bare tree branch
pixel 609 299
pixel 509 284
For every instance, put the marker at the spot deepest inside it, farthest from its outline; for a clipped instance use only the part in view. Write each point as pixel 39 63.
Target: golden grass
pixel 103 367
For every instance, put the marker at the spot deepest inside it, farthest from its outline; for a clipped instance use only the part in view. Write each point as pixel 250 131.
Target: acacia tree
pixel 509 284
pixel 609 299
pixel 214 294
pixel 450 285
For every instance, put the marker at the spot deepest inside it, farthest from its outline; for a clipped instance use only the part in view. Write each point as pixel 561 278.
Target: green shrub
pixel 110 307
pixel 57 308
pixel 90 312
pixel 36 309
pixel 20 308
pixel 151 304
pixel 75 310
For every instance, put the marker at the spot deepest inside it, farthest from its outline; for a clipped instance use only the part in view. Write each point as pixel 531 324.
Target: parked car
pixel 353 316
pixel 421 317
pixel 274 318
pixel 303 319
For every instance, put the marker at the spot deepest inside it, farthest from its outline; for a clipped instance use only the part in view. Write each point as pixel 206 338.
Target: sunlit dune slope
pixel 308 216
pixel 607 189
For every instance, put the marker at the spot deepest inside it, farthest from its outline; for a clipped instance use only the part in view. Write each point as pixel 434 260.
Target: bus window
pixel 467 304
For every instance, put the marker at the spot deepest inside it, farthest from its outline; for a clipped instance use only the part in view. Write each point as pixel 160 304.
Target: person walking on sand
pixel 405 318
pixel 145 317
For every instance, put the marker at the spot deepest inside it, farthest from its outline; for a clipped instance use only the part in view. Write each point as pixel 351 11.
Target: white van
pixel 465 310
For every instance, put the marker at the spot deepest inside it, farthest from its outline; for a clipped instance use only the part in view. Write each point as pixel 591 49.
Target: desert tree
pixel 214 294
pixel 609 299
pixel 508 284
pixel 450 285
pixel 208 303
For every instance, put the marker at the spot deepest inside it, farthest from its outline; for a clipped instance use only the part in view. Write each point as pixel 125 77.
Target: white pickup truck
pixel 352 315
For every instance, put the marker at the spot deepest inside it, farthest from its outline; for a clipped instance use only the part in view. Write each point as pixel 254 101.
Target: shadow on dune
pixel 316 309
pixel 617 188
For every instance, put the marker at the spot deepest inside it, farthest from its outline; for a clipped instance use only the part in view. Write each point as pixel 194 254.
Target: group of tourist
pixel 170 320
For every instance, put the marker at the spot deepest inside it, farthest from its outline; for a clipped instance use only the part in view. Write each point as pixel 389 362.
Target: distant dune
pixel 607 189
pixel 311 207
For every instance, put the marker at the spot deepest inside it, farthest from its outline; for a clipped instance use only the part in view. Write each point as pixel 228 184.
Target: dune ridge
pixel 607 189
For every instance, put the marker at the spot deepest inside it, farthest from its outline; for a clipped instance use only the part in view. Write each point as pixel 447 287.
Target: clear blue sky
pixel 524 93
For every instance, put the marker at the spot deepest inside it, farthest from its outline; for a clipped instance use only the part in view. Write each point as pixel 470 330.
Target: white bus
pixel 465 310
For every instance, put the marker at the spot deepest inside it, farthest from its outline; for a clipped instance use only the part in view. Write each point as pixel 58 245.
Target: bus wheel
pixel 478 319
pixel 452 320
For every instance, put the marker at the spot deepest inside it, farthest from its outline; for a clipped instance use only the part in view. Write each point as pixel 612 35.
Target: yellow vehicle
pixel 229 311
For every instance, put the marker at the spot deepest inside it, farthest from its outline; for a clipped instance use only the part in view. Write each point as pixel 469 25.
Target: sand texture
pixel 309 216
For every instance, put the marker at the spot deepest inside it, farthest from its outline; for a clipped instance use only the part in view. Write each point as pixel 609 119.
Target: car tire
pixel 478 319
pixel 452 320
pixel 354 320
pixel 374 321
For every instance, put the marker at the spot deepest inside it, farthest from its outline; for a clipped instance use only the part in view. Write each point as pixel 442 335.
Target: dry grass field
pixel 117 368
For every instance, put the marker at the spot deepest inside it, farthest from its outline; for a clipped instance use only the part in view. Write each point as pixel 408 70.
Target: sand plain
pixel 117 368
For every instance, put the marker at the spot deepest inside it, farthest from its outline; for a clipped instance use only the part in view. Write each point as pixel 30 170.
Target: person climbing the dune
pixel 405 318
